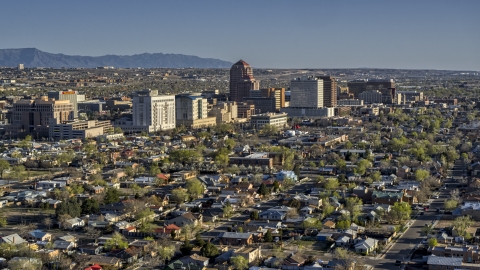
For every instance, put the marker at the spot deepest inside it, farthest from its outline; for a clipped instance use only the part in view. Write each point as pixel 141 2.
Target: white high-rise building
pixel 306 92
pixel 152 112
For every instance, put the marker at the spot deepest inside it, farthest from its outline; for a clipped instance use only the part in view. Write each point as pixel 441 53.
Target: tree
pixel 427 230
pixel 4 166
pixel 432 242
pixel 90 206
pixel 186 248
pixel 165 252
pixel 269 130
pixel 327 209
pixel 263 190
pixel 331 184
pixel 354 206
pixel 292 213
pixel 294 203
pixel 71 207
pixel 421 174
pixel 179 195
pixel 376 176
pixel 227 210
pixel 254 215
pixel 209 250
pixel 117 241
pixel 117 130
pixel 195 188
pixel 399 212
pixel 268 237
pixel 25 263
pixel 239 262
pixel 343 224
pixel 461 224
pixel 48 222
pixel 311 223
pixel 450 205
pixel 112 196
pixel 199 242
pixel 230 143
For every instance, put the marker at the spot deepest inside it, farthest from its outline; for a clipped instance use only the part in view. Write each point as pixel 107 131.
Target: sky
pixel 404 34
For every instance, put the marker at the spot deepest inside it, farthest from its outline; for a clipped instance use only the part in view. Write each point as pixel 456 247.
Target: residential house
pixel 391 196
pixel 329 224
pixel 195 259
pixel 73 223
pixel 342 241
pixel 64 246
pixel 250 253
pixel 106 261
pixel 38 235
pixel 212 215
pixel 295 260
pixel 272 215
pixel 90 249
pixel 185 219
pixel 141 244
pixel 12 239
pixel 405 172
pixel 366 246
pixel 128 255
pixel 166 231
pixel 449 263
pixel 236 239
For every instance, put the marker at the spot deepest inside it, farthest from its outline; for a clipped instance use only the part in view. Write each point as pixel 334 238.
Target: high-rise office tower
pixel 192 111
pixel 306 92
pixel 241 81
pixel 67 95
pixel 329 91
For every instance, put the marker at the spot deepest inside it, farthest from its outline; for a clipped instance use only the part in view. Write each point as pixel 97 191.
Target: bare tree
pixel 48 222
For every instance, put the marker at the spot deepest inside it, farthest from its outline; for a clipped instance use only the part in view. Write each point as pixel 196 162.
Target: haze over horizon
pixel 407 34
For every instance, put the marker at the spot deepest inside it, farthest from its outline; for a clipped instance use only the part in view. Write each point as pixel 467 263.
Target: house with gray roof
pixel 13 239
pixel 366 246
pixel 236 238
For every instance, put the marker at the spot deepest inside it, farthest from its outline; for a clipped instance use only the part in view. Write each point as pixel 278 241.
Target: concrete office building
pixel 350 102
pixel 241 81
pixel 224 112
pixel 79 129
pixel 191 111
pixel 150 113
pixel 356 87
pixel 70 95
pixel 329 91
pixel 21 67
pixel 306 92
pixel 309 112
pixel 411 96
pixel 274 119
pixel 34 116
pixel 370 97
pixel 245 110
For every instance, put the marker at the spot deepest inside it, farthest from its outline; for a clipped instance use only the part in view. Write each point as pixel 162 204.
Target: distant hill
pixel 32 57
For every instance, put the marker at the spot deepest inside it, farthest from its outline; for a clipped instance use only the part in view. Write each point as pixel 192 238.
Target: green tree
pixel 376 176
pixel 461 224
pixel 186 248
pixel 185 156
pixel 195 188
pixel 263 190
pixel 112 196
pixel 199 242
pixel 165 252
pixel 71 207
pixel 209 250
pixel 221 157
pixel 268 237
pixel 116 241
pixel 354 206
pixel 230 143
pixel 4 166
pixel 432 242
pixel 254 215
pixel 327 209
pixel 399 212
pixel 421 174
pixel 331 184
pixel 179 195
pixel 343 224
pixel 227 210
pixel 118 130
pixel 90 206
pixel 450 205
pixel 239 262
pixel 269 130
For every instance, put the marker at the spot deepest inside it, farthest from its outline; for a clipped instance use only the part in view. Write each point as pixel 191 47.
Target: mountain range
pixel 32 57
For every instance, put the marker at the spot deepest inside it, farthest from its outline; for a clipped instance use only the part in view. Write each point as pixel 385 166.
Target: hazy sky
pixel 413 34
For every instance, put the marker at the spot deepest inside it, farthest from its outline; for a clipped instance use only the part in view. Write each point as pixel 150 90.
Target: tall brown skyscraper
pixel 329 91
pixel 241 81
